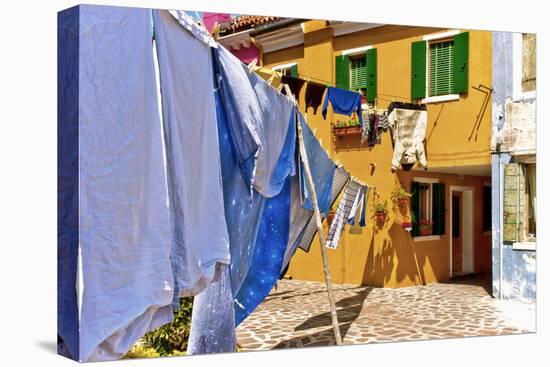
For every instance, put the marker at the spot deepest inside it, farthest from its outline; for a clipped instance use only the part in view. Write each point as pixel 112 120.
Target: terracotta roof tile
pixel 243 22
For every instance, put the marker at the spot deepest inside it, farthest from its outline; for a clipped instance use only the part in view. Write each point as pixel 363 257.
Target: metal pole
pixel 317 214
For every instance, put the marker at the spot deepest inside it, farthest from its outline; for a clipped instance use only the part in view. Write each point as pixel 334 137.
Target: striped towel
pixel 351 192
pixel 341 177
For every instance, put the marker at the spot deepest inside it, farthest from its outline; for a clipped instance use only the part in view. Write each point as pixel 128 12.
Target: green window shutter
pixel 514 196
pixel 294 71
pixel 441 78
pixel 418 70
pixel 461 44
pixel 415 208
pixel 371 74
pixel 358 66
pixel 438 208
pixel 342 72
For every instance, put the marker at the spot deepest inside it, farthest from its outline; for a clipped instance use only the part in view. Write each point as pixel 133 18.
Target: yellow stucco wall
pixel 388 256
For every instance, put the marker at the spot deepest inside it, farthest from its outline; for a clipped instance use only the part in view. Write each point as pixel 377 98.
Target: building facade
pixel 402 64
pixel 514 166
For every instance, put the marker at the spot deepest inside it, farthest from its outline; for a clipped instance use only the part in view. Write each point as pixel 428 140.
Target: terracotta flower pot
pixel 402 201
pixel 425 232
pixel 380 217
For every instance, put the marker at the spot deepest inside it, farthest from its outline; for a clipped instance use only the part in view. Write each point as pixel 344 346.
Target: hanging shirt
pixel 258 118
pixel 409 132
pixel 295 85
pixel 124 220
pixel 314 95
pixel 343 101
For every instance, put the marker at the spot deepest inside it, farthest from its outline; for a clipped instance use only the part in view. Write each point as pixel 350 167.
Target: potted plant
pixel 425 228
pixel 401 197
pixel 380 212
pixel 407 225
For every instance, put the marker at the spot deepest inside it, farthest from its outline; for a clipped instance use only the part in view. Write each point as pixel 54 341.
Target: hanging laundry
pixel 355 212
pixel 383 122
pixel 295 85
pixel 268 255
pixel 365 127
pixel 123 221
pixel 343 101
pixel 213 317
pixel 373 130
pixel 199 231
pixel 251 218
pixel 314 95
pixel 322 170
pixel 341 178
pixel 349 197
pixel 409 131
pixel 258 119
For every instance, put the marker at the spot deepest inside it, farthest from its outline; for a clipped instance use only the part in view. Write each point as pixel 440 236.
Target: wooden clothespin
pixel 252 65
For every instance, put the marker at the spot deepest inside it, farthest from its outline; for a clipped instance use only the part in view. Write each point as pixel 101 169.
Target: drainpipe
pixel 501 224
pixel 283 23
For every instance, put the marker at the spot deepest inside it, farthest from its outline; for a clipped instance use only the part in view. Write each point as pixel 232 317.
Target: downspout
pixel 501 225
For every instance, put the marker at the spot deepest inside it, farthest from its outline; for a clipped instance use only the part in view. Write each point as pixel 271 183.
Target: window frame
pixel 431 39
pixel 355 53
pixel 429 204
pixel 353 58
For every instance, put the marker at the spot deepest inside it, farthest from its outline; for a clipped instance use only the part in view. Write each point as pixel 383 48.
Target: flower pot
pixel 425 232
pixel 402 201
pixel 407 226
pixel 380 217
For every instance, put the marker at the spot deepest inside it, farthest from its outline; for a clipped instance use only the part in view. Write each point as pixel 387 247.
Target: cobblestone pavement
pixel 296 314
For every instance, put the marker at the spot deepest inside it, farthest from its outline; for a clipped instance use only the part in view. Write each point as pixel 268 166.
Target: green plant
pixel 381 208
pixel 425 225
pixel 400 193
pixel 172 338
pixel 141 351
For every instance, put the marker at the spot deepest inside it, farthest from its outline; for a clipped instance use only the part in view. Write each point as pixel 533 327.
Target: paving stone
pixel 297 315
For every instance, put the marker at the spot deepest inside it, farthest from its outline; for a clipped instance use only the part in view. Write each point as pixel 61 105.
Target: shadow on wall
pixel 348 310
pixel 381 264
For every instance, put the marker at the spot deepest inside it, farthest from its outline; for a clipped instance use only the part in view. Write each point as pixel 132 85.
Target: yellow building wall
pixel 388 256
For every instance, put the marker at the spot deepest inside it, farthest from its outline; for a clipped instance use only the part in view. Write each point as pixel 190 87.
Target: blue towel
pixel 268 256
pixel 343 101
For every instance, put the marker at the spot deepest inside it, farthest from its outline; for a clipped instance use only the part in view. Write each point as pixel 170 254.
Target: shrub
pixel 171 339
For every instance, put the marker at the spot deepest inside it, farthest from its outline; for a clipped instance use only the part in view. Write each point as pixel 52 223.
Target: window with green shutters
pixel 440 68
pixel 441 72
pixel 428 208
pixel 358 71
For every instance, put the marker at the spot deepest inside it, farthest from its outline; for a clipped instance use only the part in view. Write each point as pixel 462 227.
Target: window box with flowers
pixel 347 127
pixel 425 228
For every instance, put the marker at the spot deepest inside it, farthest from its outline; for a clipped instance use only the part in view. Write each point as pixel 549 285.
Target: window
pixel 519 222
pixel 356 70
pixel 440 66
pixel 358 73
pixel 428 207
pixel 439 70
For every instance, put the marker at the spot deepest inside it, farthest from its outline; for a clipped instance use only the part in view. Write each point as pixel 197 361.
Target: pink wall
pixel 246 55
pixel 210 18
